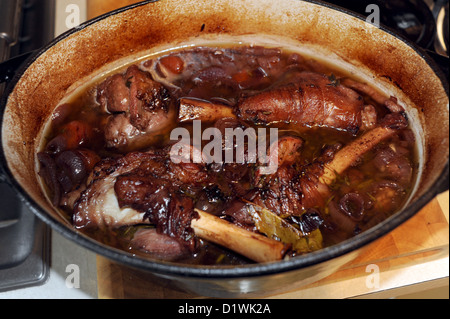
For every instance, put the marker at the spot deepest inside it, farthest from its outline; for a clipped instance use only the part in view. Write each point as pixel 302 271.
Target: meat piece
pixel 176 221
pixel 142 193
pixel 170 212
pixel 238 212
pixel 281 193
pixel 158 245
pixel 113 95
pixel 313 100
pixel 289 191
pixel 119 131
pixel 98 206
pixel 390 103
pixel 189 173
pixel 140 188
pixel 68 200
pixel 140 107
pixel 146 97
pixel 134 92
pixel 286 151
pixel 393 105
pixel 369 117
pixel 123 136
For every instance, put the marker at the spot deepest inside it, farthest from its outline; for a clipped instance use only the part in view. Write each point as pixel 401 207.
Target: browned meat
pixel 158 245
pixel 313 100
pixel 286 151
pixel 281 193
pixel 98 205
pixel 114 95
pixel 122 135
pixel 176 221
pixel 291 190
pixel 141 188
pixel 139 107
pixel 142 193
pixel 119 131
pixel 163 207
pixel 369 117
pixel 134 92
pixel 390 103
pixel 238 212
pixel 146 97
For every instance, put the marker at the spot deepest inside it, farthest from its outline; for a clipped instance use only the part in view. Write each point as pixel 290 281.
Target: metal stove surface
pixel 25 25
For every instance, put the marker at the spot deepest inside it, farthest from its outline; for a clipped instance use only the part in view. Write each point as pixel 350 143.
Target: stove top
pixel 25 25
pixel 415 20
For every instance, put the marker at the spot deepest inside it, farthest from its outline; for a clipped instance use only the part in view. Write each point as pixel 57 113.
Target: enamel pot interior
pixel 101 45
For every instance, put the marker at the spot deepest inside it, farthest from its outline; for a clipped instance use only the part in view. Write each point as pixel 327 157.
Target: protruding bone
pixel 195 109
pixel 256 247
pixel 353 151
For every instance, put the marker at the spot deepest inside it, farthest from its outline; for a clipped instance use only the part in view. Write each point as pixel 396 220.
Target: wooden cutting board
pixel 423 238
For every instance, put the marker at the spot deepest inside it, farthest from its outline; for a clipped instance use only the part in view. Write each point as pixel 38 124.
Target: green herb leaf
pixel 277 228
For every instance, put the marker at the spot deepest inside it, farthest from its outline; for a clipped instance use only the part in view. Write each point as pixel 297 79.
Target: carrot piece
pixel 76 134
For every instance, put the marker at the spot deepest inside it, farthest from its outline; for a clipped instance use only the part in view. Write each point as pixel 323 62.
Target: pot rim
pixel 216 272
